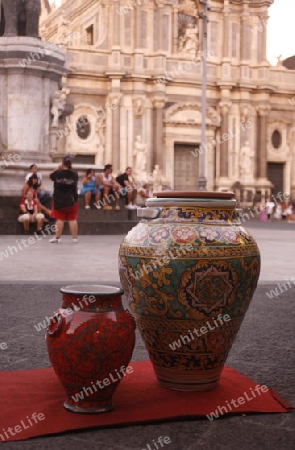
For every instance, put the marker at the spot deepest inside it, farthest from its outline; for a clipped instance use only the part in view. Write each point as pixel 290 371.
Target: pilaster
pixel 159 153
pixel 224 108
pixel 261 162
pixel 114 99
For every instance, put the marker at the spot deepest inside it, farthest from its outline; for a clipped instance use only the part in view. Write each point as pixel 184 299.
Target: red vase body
pixel 90 341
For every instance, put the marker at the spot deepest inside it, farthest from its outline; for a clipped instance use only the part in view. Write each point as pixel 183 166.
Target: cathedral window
pixel 234 40
pixel 165 33
pixel 213 41
pixel 83 127
pixel 249 44
pixel 259 46
pixel 143 29
pixel 127 30
pixel 90 35
pixel 276 139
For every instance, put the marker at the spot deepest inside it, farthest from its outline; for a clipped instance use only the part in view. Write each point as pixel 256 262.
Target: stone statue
pixel 138 107
pixel 279 61
pixel 100 133
pixel 157 179
pixel 140 158
pixel 55 110
pixel 190 41
pixel 245 112
pixel 246 161
pixel 21 17
pixel 214 116
pixel 58 105
pixel 63 35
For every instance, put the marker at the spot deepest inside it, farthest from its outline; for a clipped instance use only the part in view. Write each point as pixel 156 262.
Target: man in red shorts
pixel 65 199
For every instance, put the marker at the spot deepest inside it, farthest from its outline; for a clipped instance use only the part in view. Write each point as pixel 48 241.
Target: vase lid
pixel 92 289
pixel 195 194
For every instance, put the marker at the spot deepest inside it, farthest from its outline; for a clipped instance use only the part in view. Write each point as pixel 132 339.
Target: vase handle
pixel 54 324
pixel 148 213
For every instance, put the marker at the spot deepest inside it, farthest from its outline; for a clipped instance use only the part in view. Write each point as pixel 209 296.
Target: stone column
pixel 224 139
pixel 158 155
pixel 292 153
pixel 114 100
pixel 123 136
pixel 261 161
pixel 148 134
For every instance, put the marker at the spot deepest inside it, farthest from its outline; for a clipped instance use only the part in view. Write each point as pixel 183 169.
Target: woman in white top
pixel 110 188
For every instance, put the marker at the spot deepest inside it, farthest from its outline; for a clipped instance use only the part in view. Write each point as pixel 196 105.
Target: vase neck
pixel 199 214
pixel 91 302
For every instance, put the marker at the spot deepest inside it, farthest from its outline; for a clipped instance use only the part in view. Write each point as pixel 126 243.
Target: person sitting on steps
pixel 127 187
pixel 109 187
pixel 43 194
pixel 89 188
pixel 29 213
pixel 35 185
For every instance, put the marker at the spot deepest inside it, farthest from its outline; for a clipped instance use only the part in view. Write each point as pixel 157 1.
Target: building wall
pixel 136 71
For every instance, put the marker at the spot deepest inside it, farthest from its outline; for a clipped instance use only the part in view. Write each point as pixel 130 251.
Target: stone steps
pixel 91 222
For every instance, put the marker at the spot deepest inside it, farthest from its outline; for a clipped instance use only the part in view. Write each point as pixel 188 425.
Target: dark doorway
pixel 275 174
pixel 186 165
pixel 2 22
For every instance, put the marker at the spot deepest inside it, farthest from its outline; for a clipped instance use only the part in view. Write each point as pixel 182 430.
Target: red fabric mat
pixel 138 399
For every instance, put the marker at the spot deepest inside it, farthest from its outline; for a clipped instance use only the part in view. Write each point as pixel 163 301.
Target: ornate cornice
pixel 172 117
pixel 254 3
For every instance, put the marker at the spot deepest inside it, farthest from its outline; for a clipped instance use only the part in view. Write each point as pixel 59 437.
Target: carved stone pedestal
pixel 30 72
pixel 29 75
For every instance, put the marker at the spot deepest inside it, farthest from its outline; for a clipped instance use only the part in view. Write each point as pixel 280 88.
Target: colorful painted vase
pixel 189 273
pixel 90 341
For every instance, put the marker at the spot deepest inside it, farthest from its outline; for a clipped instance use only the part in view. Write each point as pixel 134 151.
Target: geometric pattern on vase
pixel 216 274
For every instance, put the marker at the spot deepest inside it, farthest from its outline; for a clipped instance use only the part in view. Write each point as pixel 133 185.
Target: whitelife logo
pixel 275 292
pixel 65 312
pixel 102 383
pixel 161 441
pixel 185 339
pixel 260 390
pixel 24 425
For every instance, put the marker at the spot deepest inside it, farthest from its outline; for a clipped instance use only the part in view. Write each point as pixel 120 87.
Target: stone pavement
pixel 264 349
pixel 94 259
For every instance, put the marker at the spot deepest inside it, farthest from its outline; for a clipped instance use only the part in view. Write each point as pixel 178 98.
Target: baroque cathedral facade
pixel 135 85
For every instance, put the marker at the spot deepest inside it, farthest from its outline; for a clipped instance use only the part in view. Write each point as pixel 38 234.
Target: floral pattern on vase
pixel 207 269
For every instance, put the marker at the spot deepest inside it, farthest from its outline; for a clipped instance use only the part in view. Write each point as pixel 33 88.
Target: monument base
pixel 30 73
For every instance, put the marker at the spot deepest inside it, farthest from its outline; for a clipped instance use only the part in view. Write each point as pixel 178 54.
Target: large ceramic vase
pixel 90 341
pixel 189 270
